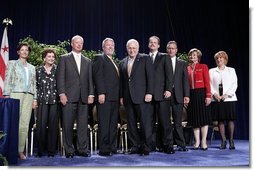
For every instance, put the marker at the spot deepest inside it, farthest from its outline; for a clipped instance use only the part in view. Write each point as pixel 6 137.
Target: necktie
pixel 114 65
pixel 152 57
pixel 129 67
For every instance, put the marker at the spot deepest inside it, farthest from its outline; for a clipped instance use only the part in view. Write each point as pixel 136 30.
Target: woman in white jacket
pixel 223 87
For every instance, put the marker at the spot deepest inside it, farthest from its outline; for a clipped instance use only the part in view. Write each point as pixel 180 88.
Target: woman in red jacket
pixel 199 116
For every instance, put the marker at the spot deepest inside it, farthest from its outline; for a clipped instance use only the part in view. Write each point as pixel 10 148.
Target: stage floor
pixel 213 157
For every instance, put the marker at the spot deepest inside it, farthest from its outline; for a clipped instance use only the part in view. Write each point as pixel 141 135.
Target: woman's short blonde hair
pixel 199 53
pixel 221 54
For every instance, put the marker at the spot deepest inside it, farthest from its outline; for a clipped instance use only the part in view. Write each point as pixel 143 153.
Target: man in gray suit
pixel 136 92
pixel 75 88
pixel 180 93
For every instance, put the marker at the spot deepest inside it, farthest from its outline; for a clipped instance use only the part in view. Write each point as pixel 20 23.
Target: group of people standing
pixel 149 86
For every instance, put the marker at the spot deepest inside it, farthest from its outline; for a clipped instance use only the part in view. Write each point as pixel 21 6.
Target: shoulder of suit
pixel 124 59
pixel 142 55
pixel 30 65
pixel 99 56
pixel 11 62
pixel 66 55
pixel 162 54
pixel 181 61
pixel 85 58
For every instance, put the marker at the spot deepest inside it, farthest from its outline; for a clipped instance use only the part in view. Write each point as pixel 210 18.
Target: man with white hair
pixel 136 92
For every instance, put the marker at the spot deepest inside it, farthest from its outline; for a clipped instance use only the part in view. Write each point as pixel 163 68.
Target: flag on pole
pixel 4 58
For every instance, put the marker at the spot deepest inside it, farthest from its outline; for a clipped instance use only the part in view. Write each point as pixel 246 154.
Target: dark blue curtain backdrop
pixel 208 25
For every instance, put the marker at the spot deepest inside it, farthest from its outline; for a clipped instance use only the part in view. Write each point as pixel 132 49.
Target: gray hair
pixel 107 39
pixel 132 41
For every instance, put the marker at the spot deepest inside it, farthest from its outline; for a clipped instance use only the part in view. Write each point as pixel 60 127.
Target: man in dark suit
pixel 106 81
pixel 180 94
pixel 163 131
pixel 75 88
pixel 136 75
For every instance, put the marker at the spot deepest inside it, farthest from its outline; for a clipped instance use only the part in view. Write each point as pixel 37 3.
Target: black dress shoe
pixel 83 154
pixel 159 149
pixel 170 150
pixel 38 155
pixel 144 152
pixel 69 155
pixel 114 152
pixel 134 150
pixel 104 153
pixel 182 149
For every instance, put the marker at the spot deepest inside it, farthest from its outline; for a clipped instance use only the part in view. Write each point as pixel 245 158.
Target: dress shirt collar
pixel 75 54
pixel 154 53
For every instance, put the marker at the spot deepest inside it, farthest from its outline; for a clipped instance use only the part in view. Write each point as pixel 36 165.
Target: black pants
pixel 47 125
pixel 177 113
pixel 108 114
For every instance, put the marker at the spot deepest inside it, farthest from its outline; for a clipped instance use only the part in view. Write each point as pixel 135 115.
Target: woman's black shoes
pixel 231 145
pixel 223 145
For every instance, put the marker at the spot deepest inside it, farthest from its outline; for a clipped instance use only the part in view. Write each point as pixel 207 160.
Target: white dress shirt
pixel 77 57
pixel 153 55
pixel 173 59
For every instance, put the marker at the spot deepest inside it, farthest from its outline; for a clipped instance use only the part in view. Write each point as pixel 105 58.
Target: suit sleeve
pixel 8 79
pixel 185 80
pixel 149 75
pixel 90 79
pixel 34 83
pixel 98 75
pixel 121 80
pixel 231 91
pixel 60 76
pixel 168 74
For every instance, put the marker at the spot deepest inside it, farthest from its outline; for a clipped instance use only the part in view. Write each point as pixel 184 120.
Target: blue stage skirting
pixel 9 124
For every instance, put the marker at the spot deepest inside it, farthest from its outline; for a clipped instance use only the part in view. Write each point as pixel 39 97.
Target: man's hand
pixel 167 94
pixel 90 99
pixel 63 99
pixel 101 98
pixel 148 97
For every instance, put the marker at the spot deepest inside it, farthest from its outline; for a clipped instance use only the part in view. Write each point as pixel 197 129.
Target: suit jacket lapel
pixel 135 64
pixel 176 66
pixel 125 66
pixel 157 58
pixel 110 62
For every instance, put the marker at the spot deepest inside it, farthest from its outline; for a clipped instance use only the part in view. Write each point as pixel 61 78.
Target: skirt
pixel 223 111
pixel 198 113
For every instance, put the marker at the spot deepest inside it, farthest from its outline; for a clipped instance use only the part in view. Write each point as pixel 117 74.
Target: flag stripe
pixel 4 58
